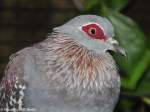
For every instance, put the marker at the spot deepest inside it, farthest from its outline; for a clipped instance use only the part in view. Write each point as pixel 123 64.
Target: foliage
pixel 136 75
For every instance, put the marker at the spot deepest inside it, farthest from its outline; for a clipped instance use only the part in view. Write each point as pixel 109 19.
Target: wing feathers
pixel 12 85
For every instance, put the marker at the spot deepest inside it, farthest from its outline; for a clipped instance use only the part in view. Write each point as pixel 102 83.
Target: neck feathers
pixel 76 66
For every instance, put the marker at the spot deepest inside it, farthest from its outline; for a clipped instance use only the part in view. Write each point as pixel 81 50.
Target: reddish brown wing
pixel 12 85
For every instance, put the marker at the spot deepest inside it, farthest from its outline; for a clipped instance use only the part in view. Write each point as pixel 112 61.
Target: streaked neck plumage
pixel 74 66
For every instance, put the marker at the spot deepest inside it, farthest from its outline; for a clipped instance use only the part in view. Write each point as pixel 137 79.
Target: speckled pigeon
pixel 70 71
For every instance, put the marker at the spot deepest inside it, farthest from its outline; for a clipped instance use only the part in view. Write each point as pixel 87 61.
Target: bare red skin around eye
pixel 99 32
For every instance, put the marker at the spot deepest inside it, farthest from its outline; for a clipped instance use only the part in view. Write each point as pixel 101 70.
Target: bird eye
pixel 92 31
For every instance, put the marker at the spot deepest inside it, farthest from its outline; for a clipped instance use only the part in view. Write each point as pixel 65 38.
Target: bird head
pixel 93 32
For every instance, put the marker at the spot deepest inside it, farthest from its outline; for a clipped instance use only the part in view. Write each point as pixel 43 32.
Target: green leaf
pixel 146 100
pixel 88 4
pixel 136 74
pixel 142 89
pixel 116 5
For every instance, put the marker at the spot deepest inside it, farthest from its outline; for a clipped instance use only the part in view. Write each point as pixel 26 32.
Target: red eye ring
pixel 94 31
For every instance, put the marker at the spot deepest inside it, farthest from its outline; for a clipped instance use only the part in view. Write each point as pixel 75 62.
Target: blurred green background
pixel 24 22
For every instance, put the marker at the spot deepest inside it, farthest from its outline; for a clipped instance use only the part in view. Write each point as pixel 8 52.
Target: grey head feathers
pixel 77 22
pixel 73 29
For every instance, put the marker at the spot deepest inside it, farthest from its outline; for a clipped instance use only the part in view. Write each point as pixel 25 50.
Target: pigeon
pixel 71 70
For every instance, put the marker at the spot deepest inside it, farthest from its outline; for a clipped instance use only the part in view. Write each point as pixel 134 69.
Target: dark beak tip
pixel 124 54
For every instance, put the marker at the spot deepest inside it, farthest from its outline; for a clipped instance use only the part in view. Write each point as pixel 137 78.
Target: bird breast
pixel 73 66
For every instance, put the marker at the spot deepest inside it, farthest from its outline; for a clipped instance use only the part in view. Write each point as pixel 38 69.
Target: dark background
pixel 24 22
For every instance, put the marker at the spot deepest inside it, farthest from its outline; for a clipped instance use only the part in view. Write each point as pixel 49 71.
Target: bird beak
pixel 116 47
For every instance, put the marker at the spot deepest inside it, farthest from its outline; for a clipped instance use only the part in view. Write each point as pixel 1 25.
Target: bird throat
pixel 81 59
pixel 78 67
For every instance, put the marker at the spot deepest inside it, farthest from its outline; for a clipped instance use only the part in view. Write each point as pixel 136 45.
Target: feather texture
pixel 59 74
pixel 12 86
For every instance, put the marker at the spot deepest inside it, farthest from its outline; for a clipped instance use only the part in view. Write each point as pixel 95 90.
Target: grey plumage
pixel 67 72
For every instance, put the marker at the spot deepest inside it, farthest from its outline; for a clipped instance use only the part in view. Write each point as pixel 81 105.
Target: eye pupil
pixel 93 31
